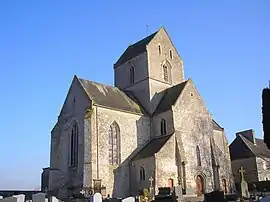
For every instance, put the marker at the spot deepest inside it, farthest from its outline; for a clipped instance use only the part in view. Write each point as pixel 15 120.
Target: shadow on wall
pixel 121 186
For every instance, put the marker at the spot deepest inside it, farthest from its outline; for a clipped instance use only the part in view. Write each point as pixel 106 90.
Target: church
pixel 152 124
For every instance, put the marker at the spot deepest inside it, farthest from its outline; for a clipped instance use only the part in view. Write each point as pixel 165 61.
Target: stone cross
pixel 242 172
pixel 151 181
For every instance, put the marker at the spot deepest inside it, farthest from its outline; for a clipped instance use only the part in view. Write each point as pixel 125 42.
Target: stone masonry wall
pixel 194 123
pixel 70 113
pixel 134 132
pixel 149 166
pixel 165 164
pixel 156 123
pixel 263 168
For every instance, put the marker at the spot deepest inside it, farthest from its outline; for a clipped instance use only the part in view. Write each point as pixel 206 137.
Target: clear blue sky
pixel 225 46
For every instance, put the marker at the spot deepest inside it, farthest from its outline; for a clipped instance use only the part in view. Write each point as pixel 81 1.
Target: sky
pixel 225 46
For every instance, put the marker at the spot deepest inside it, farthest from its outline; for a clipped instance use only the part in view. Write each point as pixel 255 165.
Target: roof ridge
pixel 95 82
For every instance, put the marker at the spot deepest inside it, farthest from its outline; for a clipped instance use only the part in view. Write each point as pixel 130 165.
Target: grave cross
pixel 242 172
pixel 151 181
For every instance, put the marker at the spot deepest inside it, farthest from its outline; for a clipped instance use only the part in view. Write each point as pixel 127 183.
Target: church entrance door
pixel 199 185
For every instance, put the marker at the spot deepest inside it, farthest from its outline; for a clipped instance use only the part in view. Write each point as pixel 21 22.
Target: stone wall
pixel 149 166
pixel 72 112
pixel 156 123
pixel 263 168
pixel 166 165
pixel 134 132
pixel 194 123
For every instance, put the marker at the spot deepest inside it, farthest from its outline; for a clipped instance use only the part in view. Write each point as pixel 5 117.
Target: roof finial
pixel 146 29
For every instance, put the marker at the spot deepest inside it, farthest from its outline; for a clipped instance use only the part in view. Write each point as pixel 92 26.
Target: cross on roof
pixel 82 192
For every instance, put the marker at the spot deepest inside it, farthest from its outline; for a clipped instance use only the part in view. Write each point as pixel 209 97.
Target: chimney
pixel 249 134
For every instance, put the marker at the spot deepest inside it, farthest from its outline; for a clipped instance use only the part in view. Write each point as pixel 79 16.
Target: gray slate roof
pixel 216 126
pixel 259 150
pixel 134 50
pixel 152 147
pixel 170 97
pixel 108 96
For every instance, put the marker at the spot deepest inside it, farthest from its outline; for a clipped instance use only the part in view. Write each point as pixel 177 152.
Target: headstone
pixel 9 199
pixel 244 184
pixel 39 197
pixel 97 197
pixel 1 197
pixel 54 199
pixel 178 193
pixel 129 199
pixel 20 197
pixel 214 196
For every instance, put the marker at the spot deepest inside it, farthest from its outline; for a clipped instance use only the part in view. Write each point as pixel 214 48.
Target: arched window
pixel 74 145
pixel 198 154
pixel 163 127
pixel 131 75
pixel 159 49
pixel 165 73
pixel 142 173
pixel 114 144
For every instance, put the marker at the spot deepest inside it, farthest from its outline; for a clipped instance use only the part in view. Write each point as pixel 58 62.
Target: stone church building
pixel 151 124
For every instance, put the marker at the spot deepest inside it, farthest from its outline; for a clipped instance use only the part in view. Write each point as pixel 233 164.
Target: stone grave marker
pixel 39 197
pixel 244 184
pixel 97 197
pixel 129 199
pixel 9 199
pixel 178 193
pixel 20 197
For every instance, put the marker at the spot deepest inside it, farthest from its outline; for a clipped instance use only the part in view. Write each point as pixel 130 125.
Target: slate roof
pixel 242 148
pixel 216 126
pixel 108 96
pixel 134 50
pixel 152 147
pixel 170 97
pixel 259 150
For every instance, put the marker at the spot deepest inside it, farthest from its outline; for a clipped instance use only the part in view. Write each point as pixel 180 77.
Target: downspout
pixel 97 142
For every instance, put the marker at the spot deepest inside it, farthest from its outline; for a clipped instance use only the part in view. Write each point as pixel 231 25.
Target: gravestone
pixel 9 199
pixel 97 197
pixel 178 193
pixel 20 197
pixel 214 196
pixel 1 197
pixel 39 197
pixel 244 184
pixel 129 199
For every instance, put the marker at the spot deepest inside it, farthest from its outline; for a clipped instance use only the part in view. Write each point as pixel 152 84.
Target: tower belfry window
pixel 159 49
pixel 163 127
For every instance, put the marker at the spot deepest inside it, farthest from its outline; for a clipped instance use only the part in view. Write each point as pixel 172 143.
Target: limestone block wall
pixel 134 132
pixel 263 168
pixel 166 165
pixel 149 166
pixel 156 123
pixel 194 123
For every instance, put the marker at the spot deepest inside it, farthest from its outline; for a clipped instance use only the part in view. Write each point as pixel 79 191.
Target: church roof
pixel 241 148
pixel 216 126
pixel 134 50
pixel 152 147
pixel 170 97
pixel 110 97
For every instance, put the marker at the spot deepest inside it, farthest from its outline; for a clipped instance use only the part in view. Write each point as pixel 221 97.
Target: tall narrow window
pixel 198 154
pixel 114 144
pixel 165 73
pixel 159 49
pixel 74 146
pixel 163 127
pixel 131 75
pixel 184 177
pixel 142 173
pixel 171 54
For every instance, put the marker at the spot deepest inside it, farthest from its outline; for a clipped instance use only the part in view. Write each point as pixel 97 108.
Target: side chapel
pixel 151 124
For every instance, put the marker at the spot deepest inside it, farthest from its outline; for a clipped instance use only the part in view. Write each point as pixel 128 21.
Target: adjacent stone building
pixel 251 153
pixel 152 124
